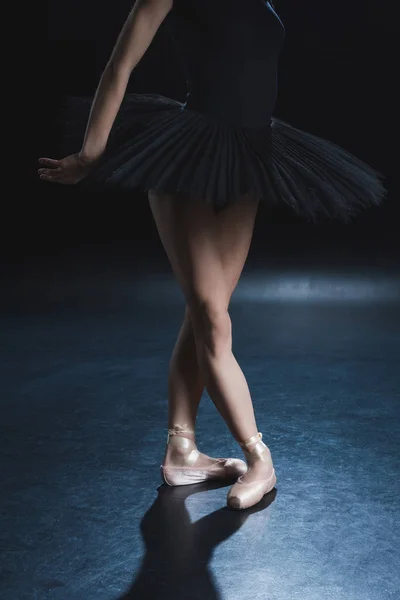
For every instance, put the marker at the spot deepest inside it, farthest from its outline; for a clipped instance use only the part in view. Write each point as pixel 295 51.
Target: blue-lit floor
pixel 84 359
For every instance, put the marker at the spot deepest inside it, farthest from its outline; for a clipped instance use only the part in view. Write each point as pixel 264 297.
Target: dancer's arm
pixel 135 37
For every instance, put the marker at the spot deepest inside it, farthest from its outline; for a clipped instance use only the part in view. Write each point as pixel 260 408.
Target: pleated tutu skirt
pixel 156 143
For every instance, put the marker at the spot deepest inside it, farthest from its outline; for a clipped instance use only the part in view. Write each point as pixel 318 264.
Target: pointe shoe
pixel 242 494
pixel 187 474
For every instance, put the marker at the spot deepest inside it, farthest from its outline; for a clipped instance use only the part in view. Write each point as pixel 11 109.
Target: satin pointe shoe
pixel 245 494
pixel 187 472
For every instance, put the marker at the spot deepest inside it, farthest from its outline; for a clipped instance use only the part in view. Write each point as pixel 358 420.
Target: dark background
pixel 337 79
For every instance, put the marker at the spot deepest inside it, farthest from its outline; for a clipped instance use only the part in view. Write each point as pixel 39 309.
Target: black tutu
pixel 156 143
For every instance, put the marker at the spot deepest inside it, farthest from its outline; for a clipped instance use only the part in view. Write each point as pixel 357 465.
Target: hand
pixel 68 170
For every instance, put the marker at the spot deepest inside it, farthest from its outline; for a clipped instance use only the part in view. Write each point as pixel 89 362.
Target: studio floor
pixel 84 362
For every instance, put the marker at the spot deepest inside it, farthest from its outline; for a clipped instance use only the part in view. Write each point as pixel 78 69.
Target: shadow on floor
pixel 177 552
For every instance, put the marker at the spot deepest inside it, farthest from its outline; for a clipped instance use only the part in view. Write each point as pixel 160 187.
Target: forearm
pixel 106 103
pixel 133 41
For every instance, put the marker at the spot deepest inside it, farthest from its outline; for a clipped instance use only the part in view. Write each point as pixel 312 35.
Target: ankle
pixel 174 453
pixel 184 431
pixel 181 449
pixel 182 438
pixel 188 436
pixel 254 449
pixel 251 442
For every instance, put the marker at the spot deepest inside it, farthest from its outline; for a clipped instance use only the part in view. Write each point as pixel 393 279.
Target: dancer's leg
pixel 199 244
pixel 186 381
pixel 207 253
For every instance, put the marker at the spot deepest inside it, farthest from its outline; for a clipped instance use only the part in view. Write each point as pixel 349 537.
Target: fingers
pixel 52 174
pixel 57 176
pixel 50 162
pixel 49 171
pixel 60 171
pixel 51 177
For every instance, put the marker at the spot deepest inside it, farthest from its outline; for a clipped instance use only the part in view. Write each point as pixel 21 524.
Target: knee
pixel 211 325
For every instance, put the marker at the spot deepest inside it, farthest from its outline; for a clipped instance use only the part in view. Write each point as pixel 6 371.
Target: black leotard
pixel 231 50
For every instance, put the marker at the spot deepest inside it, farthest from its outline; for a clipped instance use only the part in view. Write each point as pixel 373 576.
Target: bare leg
pixel 207 254
pixel 185 389
pixel 185 380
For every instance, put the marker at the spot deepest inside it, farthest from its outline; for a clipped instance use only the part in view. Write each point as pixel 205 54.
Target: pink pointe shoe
pixel 187 473
pixel 245 494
